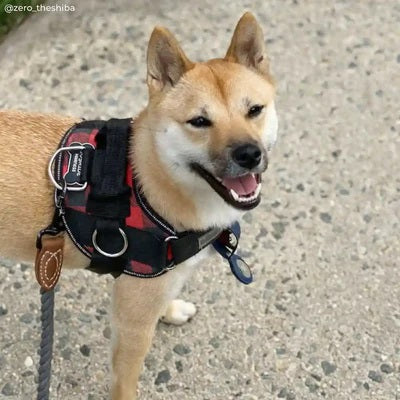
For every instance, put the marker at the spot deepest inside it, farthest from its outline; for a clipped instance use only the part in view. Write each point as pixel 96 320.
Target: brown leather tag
pixel 49 261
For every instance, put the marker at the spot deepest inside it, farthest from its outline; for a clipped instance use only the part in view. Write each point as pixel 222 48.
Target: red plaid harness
pixel 109 220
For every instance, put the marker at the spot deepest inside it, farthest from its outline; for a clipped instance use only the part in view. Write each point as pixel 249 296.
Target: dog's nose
pixel 247 155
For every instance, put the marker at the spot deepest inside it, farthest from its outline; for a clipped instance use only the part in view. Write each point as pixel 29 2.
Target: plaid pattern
pixel 80 225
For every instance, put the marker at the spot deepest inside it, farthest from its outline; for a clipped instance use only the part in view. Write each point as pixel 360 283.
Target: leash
pixel 46 343
pixel 49 245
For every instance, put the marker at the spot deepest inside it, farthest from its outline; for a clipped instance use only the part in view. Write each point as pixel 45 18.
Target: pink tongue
pixel 244 185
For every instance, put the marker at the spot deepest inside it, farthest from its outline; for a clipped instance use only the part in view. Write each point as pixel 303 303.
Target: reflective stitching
pixel 139 275
pixel 150 213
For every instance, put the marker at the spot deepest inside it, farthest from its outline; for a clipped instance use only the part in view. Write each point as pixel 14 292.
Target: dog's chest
pixel 183 272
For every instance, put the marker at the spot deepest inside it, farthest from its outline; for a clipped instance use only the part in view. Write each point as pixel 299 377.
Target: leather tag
pixel 49 261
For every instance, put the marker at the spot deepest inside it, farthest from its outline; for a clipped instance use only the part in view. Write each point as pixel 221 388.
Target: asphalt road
pixel 322 319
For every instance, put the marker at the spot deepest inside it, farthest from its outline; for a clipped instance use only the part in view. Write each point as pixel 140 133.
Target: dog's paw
pixel 178 312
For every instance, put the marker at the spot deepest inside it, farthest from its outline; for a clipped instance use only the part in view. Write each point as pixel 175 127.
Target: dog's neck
pixel 163 194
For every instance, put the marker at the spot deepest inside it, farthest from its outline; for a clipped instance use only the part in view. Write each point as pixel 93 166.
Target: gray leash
pixel 46 343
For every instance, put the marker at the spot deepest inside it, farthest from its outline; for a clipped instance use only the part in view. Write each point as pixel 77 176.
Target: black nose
pixel 247 155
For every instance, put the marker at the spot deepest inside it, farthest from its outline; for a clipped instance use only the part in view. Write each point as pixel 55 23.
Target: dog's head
pixel 213 121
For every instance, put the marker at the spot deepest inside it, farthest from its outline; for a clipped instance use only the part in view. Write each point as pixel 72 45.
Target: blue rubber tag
pixel 240 269
pixel 227 250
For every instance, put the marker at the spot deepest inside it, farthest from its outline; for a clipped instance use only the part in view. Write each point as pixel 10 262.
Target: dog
pixel 198 148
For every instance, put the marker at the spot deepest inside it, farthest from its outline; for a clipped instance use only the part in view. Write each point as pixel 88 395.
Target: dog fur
pixel 162 143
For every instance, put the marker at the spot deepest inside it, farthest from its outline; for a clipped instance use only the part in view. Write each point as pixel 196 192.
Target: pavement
pixel 322 319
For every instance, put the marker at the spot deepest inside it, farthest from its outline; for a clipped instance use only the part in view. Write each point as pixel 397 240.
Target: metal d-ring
pixel 50 169
pixel 104 253
pixel 166 240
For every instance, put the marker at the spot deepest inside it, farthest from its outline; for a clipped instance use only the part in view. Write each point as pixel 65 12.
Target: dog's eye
pixel 254 111
pixel 199 122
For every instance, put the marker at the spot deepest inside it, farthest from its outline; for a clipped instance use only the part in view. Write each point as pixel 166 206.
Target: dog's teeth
pixel 245 199
pixel 234 195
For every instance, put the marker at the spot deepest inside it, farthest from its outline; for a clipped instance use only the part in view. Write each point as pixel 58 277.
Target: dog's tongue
pixel 243 185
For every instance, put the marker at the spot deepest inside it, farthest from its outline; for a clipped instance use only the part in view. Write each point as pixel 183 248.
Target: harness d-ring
pixel 167 239
pixel 50 169
pixel 171 265
pixel 104 253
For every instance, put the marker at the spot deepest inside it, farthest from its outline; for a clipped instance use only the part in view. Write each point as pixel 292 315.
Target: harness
pixel 99 202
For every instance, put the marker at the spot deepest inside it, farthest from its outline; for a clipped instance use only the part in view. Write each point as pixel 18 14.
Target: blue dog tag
pixel 240 269
pixel 227 250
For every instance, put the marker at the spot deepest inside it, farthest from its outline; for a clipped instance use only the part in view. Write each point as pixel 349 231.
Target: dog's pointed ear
pixel 247 45
pixel 166 61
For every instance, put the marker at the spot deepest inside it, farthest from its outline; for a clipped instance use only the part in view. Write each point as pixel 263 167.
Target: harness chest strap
pixel 50 253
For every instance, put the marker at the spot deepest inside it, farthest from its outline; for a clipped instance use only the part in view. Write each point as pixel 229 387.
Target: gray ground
pixel 322 319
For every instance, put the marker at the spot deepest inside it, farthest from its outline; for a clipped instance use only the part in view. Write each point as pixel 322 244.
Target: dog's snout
pixel 247 155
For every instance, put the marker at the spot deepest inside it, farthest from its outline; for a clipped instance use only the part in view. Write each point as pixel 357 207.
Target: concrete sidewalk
pixel 322 319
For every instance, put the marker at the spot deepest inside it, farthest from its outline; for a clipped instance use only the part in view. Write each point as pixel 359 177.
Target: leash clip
pixel 59 197
pixel 56 227
pixel 50 230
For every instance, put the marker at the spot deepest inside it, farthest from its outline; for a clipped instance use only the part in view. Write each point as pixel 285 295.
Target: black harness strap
pixel 109 196
pixel 190 243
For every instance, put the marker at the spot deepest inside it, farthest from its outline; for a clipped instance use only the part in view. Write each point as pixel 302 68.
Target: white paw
pixel 178 312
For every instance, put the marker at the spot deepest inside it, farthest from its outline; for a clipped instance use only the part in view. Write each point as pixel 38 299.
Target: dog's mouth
pixel 242 192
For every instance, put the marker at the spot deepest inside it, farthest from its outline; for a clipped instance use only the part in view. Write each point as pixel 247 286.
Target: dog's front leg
pixel 137 306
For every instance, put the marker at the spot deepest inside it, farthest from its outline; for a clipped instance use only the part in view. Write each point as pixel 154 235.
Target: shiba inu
pixel 198 149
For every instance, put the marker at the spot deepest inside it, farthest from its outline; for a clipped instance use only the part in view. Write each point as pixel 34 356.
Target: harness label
pixel 208 237
pixel 76 173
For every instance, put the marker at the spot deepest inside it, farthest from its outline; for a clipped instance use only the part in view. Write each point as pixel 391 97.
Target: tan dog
pixel 198 148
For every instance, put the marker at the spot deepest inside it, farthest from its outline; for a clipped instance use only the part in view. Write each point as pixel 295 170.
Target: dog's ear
pixel 166 61
pixel 247 45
